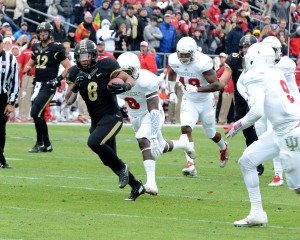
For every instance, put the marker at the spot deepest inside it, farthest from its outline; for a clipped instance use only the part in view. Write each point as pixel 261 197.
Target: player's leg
pixel 142 128
pixel 102 142
pixel 188 117
pixel 257 153
pixel 278 178
pixel 290 158
pixel 207 116
pixel 37 113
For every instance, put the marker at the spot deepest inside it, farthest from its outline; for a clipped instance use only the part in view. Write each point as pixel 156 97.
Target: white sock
pixel 256 206
pixel 188 159
pixel 178 144
pixel 277 167
pixel 221 144
pixel 149 166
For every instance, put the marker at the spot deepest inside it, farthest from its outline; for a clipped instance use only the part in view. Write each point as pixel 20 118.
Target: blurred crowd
pixel 151 28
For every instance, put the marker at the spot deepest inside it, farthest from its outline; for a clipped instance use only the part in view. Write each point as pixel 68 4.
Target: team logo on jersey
pixel 291 142
pixel 97 75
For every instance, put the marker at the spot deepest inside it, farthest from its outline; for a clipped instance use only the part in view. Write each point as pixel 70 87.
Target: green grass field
pixel 70 194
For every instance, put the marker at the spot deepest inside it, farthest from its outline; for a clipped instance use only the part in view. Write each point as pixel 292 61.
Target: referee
pixel 9 88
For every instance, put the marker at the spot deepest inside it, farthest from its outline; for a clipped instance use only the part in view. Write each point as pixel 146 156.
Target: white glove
pixel 234 130
pixel 155 150
pixel 173 98
pixel 191 88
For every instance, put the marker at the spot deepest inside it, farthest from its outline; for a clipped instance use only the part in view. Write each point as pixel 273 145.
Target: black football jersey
pixel 47 60
pixel 235 63
pixel 94 87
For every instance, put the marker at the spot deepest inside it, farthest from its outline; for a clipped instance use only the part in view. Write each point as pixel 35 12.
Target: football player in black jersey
pixel 233 68
pixel 47 56
pixel 90 77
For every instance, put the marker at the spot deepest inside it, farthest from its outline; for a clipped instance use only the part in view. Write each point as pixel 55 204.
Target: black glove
pixel 79 79
pixel 53 84
pixel 117 88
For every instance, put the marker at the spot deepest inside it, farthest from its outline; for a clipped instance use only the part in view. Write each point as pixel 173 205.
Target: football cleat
pixel 5 165
pixel 151 189
pixel 224 156
pixel 188 149
pixel 189 170
pixel 260 169
pixel 48 148
pixel 255 218
pixel 123 176
pixel 276 182
pixel 136 192
pixel 37 148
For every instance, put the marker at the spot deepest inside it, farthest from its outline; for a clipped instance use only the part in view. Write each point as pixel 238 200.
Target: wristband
pixel 59 78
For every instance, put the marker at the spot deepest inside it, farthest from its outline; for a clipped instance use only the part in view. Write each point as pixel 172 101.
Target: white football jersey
pixel 288 66
pixel 135 98
pixel 280 106
pixel 192 74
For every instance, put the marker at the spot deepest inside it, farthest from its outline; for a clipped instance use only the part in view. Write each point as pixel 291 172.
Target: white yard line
pixel 134 216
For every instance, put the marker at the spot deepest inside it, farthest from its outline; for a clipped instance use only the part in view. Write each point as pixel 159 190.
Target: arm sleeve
pixel 257 105
pixel 14 81
pixel 155 120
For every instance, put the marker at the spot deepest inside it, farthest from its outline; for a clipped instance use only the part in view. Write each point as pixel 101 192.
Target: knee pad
pixel 245 163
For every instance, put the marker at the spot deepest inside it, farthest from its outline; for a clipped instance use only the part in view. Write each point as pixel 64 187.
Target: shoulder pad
pixel 71 74
pixel 255 75
pixel 287 65
pixel 204 62
pixel 148 80
pixel 173 59
pixel 57 47
pixel 232 60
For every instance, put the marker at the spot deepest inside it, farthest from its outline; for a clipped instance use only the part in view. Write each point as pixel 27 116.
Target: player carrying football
pixel 90 77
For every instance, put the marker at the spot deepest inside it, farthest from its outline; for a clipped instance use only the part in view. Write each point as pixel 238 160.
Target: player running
pixel 195 69
pixel 270 95
pixel 147 117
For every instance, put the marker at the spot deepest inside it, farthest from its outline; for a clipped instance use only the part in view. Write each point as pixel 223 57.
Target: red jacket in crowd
pixel 105 54
pixel 23 59
pixel 214 14
pixel 229 87
pixel 148 62
pixel 297 76
pixel 295 44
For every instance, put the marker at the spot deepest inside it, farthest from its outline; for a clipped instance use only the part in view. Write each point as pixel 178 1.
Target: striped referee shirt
pixel 9 76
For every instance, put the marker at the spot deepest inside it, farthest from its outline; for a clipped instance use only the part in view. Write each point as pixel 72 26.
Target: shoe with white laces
pixel 276 182
pixel 188 149
pixel 224 156
pixel 189 170
pixel 151 189
pixel 255 218
pixel 136 192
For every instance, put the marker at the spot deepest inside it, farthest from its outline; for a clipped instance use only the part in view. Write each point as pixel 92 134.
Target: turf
pixel 70 194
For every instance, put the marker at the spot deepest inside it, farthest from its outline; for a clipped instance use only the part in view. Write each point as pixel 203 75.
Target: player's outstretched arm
pixel 212 79
pixel 66 64
pixel 69 93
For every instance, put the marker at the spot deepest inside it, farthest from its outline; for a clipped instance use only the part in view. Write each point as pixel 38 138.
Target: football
pixel 115 80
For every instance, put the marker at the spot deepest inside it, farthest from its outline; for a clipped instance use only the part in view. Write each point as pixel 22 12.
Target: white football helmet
pixel 259 55
pixel 130 63
pixel 186 48
pixel 275 44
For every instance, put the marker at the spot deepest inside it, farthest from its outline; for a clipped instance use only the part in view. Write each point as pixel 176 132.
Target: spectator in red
pixel 214 13
pixel 26 81
pixel 241 15
pixel 101 51
pixel 147 60
pixel 194 25
pixel 297 73
pixel 227 95
pixel 87 27
pixel 295 43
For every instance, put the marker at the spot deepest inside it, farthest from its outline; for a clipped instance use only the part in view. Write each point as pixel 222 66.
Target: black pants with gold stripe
pixel 102 141
pixel 37 113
